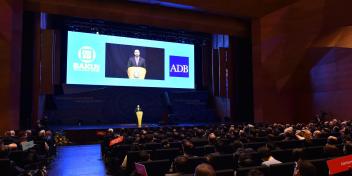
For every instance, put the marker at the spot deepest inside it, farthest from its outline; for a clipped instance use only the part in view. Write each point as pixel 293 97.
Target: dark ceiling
pixel 232 8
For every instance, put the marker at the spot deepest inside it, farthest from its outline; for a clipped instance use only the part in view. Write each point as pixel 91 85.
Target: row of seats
pixel 159 167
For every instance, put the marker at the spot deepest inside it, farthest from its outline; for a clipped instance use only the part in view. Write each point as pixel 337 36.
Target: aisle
pixel 79 160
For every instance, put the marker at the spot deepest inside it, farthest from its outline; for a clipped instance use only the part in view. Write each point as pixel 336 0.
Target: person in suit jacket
pixel 136 60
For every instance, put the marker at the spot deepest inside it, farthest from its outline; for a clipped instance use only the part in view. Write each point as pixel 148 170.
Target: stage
pixel 87 134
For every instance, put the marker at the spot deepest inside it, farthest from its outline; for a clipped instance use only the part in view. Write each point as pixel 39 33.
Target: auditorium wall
pixel 10 49
pixel 302 61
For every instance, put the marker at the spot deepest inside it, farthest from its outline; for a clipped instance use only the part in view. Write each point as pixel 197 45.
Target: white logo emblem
pixel 86 54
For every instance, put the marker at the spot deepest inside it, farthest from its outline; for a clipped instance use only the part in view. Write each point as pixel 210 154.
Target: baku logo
pixel 179 66
pixel 86 54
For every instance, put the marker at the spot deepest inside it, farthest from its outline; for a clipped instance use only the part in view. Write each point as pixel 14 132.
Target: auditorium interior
pixel 175 88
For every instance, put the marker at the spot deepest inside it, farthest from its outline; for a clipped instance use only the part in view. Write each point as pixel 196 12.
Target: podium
pixel 136 72
pixel 139 115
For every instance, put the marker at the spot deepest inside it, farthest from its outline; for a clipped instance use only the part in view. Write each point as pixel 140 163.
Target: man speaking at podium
pixel 136 60
pixel 136 66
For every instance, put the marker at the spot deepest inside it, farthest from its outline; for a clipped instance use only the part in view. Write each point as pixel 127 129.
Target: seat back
pixel 282 169
pixel 152 146
pixel 283 155
pixel 176 145
pixel 224 161
pixel 193 163
pixel 243 171
pixel 200 142
pixel 5 167
pixel 254 145
pixel 157 167
pixel 290 144
pixel 132 157
pixel 225 172
pixel 314 152
pixel 169 154
pixel 321 166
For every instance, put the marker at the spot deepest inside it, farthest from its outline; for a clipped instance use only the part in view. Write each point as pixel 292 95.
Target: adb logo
pixel 86 54
pixel 179 66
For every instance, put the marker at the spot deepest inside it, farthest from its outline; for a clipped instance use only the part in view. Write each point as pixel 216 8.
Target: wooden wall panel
pixel 10 49
pixel 300 61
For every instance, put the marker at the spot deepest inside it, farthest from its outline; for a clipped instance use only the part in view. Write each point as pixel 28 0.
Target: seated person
pixel 188 148
pixel 330 148
pixel 266 156
pixel 179 166
pixel 305 168
pixel 204 170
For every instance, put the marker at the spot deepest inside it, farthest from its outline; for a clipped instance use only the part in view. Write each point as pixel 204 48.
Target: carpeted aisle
pixel 79 160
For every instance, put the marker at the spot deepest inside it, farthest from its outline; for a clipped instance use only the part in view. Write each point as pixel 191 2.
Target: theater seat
pixel 243 171
pixel 282 169
pixel 315 152
pixel 226 172
pixel 176 145
pixel 321 166
pixel 254 145
pixel 193 163
pixel 152 146
pixel 157 167
pixel 283 155
pixel 5 167
pixel 290 144
pixel 221 162
pixel 132 157
pixel 169 154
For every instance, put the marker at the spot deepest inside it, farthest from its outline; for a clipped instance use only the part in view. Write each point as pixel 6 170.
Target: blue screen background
pixel 77 40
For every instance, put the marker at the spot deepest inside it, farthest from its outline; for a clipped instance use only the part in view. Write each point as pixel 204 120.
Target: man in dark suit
pixel 136 60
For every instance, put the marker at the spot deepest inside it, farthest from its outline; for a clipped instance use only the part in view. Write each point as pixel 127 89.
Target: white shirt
pixel 271 161
pixel 137 60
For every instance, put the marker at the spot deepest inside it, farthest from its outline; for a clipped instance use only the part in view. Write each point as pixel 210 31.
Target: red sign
pixel 116 141
pixel 340 164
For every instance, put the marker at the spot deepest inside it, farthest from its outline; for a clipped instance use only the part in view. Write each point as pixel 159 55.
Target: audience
pixel 31 159
pixel 250 144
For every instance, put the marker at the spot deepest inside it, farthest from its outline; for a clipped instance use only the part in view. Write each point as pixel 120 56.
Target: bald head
pixel 204 170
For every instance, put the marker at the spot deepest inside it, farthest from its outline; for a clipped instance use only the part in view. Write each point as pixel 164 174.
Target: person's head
pixel 332 140
pixel 212 138
pixel 48 133
pixel 237 144
pixel 144 155
pixel 306 168
pixel 187 147
pixel 136 53
pixel 264 153
pixel 12 133
pixel 41 133
pixel 29 132
pixel 288 132
pixel 204 170
pixel 316 134
pixel 180 164
pixel 110 131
